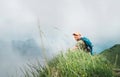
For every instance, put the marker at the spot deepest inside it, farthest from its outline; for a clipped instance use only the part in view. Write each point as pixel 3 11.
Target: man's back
pixel 81 45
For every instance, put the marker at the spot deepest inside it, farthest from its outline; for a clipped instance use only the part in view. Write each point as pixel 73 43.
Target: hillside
pixel 79 64
pixel 113 54
pixel 72 64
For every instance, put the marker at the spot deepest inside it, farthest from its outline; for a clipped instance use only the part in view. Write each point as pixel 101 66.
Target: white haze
pixel 96 19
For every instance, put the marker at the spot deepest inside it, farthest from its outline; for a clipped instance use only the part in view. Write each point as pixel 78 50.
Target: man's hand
pixel 74 48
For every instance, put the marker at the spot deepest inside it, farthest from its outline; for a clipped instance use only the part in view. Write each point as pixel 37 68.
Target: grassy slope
pixel 113 54
pixel 73 64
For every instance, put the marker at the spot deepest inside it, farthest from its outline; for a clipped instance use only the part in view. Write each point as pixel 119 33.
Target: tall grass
pixel 72 64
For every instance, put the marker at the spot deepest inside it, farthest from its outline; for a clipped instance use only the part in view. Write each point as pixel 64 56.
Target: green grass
pixel 72 64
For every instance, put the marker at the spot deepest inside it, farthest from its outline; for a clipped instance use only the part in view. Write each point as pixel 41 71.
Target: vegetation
pixel 72 64
pixel 113 55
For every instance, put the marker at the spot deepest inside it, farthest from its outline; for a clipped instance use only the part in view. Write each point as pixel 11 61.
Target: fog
pixel 58 19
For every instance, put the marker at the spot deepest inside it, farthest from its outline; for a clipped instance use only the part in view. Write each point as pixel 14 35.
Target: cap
pixel 77 33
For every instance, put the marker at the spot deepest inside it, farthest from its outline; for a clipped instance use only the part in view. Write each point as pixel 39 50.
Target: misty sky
pixel 99 20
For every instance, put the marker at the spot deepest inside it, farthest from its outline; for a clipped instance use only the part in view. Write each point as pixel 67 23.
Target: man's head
pixel 77 36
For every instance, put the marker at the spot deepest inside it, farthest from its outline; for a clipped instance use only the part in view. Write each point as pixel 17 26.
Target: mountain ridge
pixel 113 54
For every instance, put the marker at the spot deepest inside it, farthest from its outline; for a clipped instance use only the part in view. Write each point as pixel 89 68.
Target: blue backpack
pixel 88 44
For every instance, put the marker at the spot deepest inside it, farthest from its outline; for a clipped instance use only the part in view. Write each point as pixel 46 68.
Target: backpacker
pixel 88 44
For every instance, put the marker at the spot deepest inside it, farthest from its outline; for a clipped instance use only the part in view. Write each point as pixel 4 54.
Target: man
pixel 80 43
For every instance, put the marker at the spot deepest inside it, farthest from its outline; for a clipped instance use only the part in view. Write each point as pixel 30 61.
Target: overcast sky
pixel 99 20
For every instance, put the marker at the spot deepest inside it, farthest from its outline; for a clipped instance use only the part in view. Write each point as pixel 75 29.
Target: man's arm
pixel 75 47
pixel 80 45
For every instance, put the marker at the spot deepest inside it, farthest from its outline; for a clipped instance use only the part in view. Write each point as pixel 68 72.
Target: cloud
pixel 98 20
